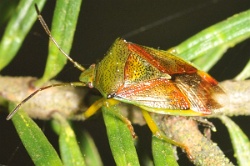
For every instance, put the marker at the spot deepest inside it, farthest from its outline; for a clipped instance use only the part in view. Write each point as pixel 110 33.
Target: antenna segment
pixel 39 90
pixel 46 28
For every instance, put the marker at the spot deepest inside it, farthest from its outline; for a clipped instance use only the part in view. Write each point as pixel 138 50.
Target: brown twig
pixel 68 101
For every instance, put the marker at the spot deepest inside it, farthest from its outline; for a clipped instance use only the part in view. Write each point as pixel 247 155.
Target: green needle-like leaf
pixel 63 29
pixel 40 150
pixel 7 8
pixel 216 38
pixel 69 149
pixel 89 149
pixel 240 141
pixel 210 58
pixel 17 28
pixel 163 153
pixel 245 73
pixel 120 138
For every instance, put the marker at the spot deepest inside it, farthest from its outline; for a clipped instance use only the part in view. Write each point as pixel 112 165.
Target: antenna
pixel 40 18
pixel 46 28
pixel 39 90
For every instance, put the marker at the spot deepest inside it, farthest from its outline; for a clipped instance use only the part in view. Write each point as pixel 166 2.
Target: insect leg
pixel 205 123
pixel 121 117
pixel 94 108
pixel 108 102
pixel 159 134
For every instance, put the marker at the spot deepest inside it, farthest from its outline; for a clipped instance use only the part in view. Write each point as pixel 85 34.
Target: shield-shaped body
pixel 154 80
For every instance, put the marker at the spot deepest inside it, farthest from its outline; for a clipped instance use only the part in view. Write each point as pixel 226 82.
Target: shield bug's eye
pixel 109 96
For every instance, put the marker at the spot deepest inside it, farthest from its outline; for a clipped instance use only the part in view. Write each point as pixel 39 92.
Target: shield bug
pixel 154 80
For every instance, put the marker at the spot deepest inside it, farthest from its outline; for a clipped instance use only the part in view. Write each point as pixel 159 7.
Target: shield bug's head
pixel 88 75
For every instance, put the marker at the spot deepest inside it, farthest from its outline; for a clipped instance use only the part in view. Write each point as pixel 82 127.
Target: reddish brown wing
pixel 200 89
pixel 157 93
pixel 159 80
